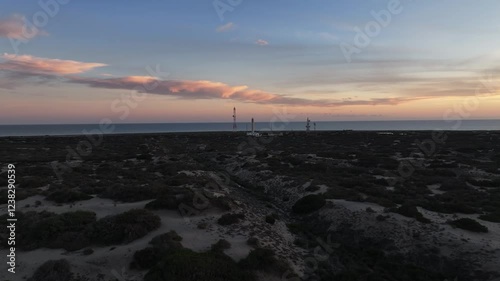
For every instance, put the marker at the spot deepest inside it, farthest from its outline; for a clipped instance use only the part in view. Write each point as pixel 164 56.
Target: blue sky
pixel 428 58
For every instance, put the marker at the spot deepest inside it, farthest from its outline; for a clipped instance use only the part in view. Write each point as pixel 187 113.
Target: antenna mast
pixel 235 127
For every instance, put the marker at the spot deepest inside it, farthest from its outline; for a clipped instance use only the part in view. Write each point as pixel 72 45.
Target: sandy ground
pixel 109 261
pixel 113 261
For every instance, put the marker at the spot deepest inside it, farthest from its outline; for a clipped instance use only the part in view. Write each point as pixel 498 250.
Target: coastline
pixel 277 126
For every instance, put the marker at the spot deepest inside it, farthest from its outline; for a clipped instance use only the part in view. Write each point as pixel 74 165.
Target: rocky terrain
pixel 298 206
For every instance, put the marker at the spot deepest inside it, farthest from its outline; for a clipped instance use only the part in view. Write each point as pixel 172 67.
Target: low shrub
pixel 384 202
pixel 229 219
pixel 171 201
pixel 133 193
pixel 485 183
pixel 271 219
pixel 54 270
pixel 469 224
pixel 312 188
pixel 449 208
pixel 381 218
pixel 147 258
pixel 370 210
pixel 169 240
pixel 410 211
pixel 253 241
pixel 492 217
pixel 263 260
pixel 161 245
pixel 339 192
pixel 67 196
pixel 123 228
pixel 46 229
pixel 76 230
pixel 187 265
pixel 296 228
pixel 454 184
pixel 221 245
pixel 223 203
pixel 34 182
pixel 301 242
pixel 309 204
pixel 70 241
pixel 88 252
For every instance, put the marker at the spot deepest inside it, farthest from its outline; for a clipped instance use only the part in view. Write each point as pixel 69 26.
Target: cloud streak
pixel 262 42
pixel 35 65
pixel 14 27
pixel 226 27
pixel 22 68
pixel 217 90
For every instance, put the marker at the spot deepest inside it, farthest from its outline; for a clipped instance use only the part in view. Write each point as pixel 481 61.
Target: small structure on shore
pixel 253 133
pixel 235 127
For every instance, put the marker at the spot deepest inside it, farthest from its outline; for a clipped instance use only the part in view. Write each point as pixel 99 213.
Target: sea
pixel 412 125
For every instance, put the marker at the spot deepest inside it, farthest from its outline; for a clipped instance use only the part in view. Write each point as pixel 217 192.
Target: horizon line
pixel 240 122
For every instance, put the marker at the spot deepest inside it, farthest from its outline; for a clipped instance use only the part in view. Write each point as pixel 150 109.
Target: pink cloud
pixel 34 65
pixel 262 42
pixel 226 27
pixel 181 89
pixel 19 68
pixel 15 27
pixel 217 90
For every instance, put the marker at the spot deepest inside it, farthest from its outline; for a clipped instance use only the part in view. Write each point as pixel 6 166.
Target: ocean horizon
pixel 132 128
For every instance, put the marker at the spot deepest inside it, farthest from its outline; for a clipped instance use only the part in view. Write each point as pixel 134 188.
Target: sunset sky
pixel 85 60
